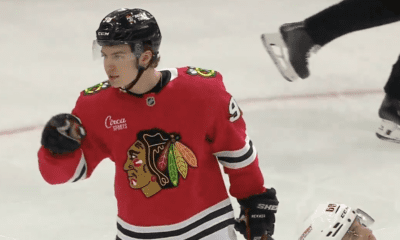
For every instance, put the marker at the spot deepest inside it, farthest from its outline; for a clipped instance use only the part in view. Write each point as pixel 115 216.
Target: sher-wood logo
pixel 116 125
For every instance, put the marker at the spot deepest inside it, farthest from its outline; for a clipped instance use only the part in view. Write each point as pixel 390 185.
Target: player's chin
pixel 115 84
pixel 371 237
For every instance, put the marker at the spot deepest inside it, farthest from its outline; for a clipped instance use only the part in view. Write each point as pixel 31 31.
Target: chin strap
pixel 141 69
pixel 139 74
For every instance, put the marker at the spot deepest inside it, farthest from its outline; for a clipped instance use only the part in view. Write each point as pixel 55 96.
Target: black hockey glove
pixel 257 216
pixel 63 134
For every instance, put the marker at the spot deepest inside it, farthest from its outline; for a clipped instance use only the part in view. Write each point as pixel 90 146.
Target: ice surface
pixel 312 149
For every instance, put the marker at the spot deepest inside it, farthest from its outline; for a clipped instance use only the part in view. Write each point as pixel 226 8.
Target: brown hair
pixel 155 59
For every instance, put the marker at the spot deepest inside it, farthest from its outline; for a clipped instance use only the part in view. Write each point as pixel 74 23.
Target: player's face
pixel 119 64
pixel 136 166
pixel 359 232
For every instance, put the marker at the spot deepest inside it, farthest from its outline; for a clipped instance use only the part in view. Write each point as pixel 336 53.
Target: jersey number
pixel 234 110
pixel 331 208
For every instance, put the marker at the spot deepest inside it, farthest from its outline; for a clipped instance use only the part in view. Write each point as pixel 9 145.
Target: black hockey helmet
pixel 135 27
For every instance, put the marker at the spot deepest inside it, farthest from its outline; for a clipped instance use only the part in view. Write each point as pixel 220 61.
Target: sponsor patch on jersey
pixel 157 160
pixel 115 124
pixel 201 72
pixel 97 88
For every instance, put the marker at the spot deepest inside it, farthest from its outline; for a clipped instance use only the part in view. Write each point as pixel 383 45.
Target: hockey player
pixel 335 221
pixel 389 111
pixel 302 38
pixel 165 131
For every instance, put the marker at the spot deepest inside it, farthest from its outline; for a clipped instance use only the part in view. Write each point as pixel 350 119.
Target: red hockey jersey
pixel 166 146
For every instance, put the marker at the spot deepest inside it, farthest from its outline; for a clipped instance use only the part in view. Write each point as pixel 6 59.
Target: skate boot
pixel 390 125
pixel 297 44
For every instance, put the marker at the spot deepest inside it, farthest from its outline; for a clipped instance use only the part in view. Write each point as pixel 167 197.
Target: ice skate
pixel 294 46
pixel 390 125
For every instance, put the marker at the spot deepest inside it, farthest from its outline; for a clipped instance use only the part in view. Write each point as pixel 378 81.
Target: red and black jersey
pixel 166 146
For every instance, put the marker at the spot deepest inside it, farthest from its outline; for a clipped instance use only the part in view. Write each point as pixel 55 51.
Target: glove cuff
pixel 263 200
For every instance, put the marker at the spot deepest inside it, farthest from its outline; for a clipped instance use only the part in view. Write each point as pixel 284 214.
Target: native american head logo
pixel 201 72
pixel 97 88
pixel 156 160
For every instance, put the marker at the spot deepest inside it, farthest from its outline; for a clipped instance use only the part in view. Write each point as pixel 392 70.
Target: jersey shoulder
pixel 96 89
pixel 200 72
pixel 91 98
pixel 201 77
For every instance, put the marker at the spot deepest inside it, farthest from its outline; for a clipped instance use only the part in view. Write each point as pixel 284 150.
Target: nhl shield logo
pixel 151 101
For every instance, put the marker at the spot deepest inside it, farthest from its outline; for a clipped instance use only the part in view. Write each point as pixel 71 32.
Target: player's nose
pixel 109 66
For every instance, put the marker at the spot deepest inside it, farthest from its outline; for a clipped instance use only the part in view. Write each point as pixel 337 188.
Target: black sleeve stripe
pixel 83 171
pixel 242 158
pixel 80 171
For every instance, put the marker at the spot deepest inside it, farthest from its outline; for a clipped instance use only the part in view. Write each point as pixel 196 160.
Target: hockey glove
pixel 63 133
pixel 257 216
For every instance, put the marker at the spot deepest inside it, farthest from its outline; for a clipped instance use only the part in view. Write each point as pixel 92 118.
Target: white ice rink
pixel 311 150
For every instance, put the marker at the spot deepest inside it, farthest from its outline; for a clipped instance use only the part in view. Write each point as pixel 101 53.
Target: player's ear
pixel 145 58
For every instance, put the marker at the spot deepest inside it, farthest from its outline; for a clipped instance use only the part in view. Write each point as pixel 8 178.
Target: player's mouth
pixel 113 77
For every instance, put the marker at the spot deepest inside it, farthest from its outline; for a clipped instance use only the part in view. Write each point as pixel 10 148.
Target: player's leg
pixel 390 108
pixel 350 16
pixel 300 38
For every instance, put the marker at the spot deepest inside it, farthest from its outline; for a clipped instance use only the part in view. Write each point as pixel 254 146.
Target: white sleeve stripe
pixel 81 170
pixel 236 153
pixel 241 164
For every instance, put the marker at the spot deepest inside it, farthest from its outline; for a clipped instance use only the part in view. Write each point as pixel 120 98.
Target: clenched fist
pixel 63 133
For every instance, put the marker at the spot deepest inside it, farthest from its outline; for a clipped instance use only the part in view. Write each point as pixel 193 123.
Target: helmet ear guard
pixel 137 49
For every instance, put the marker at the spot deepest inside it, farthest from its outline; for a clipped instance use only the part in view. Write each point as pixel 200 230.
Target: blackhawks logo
pixel 97 88
pixel 202 72
pixel 156 160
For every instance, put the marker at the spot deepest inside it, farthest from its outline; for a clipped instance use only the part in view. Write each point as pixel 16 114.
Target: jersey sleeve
pixel 233 148
pixel 78 165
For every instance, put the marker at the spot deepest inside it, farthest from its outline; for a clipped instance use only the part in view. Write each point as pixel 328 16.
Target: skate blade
pixel 386 138
pixel 282 62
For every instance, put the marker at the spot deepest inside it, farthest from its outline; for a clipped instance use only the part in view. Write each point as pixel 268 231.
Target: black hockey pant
pixel 354 15
pixel 392 87
pixel 350 16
